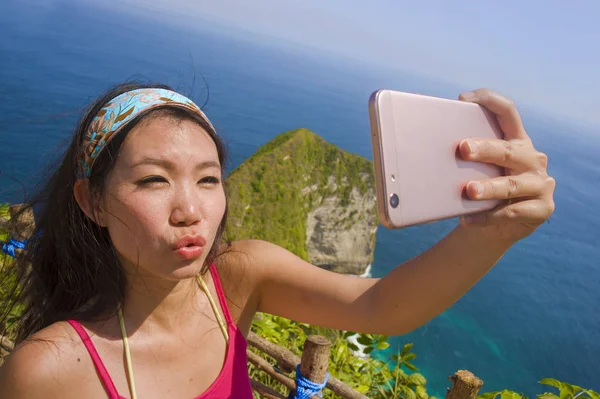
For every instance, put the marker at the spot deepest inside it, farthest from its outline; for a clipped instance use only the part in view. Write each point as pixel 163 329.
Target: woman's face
pixel 164 199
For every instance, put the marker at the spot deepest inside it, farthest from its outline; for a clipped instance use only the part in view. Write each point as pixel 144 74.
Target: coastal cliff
pixel 308 196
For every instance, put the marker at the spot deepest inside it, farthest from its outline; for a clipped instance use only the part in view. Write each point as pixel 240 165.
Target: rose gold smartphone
pixel 420 177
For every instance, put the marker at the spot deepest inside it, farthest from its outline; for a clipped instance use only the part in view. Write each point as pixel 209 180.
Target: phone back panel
pixel 415 147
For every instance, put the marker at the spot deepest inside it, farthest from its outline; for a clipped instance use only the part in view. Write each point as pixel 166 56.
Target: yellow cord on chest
pixel 128 363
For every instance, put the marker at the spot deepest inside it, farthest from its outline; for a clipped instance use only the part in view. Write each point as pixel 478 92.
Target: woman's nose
pixel 186 209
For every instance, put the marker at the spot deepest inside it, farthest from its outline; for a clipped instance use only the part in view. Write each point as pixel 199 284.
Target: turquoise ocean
pixel 535 315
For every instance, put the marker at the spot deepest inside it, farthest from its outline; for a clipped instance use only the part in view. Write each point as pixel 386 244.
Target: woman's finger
pixel 530 214
pixel 505 109
pixel 526 185
pixel 516 155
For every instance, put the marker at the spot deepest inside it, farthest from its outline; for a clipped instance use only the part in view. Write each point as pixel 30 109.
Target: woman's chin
pixel 168 269
pixel 187 270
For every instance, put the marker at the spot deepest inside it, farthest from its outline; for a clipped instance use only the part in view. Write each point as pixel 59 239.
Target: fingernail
pixel 468 95
pixel 472 146
pixel 478 188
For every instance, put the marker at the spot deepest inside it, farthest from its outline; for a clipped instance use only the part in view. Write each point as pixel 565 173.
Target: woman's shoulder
pixel 243 260
pixel 237 262
pixel 237 256
pixel 246 252
pixel 253 260
pixel 45 365
pixel 239 269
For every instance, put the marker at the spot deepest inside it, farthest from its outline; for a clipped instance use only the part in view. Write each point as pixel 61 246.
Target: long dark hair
pixel 70 269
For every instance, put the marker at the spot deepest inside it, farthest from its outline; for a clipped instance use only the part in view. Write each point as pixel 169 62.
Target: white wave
pixel 367 273
pixel 359 353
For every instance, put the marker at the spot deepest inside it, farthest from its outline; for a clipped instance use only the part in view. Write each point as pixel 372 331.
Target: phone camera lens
pixel 394 201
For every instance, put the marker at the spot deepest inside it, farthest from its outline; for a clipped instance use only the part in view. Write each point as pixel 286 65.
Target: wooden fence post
pixel 315 359
pixel 464 385
pixel 287 362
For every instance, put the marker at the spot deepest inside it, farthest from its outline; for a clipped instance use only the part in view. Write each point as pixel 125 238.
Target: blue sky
pixel 544 53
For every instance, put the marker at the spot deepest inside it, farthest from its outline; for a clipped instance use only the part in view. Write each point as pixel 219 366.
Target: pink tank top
pixel 232 382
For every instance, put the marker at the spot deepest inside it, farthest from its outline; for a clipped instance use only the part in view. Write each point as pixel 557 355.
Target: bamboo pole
pixel 270 370
pixel 284 357
pixel 464 385
pixel 265 391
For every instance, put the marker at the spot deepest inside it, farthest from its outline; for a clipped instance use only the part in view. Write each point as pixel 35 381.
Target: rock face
pixel 337 239
pixel 308 196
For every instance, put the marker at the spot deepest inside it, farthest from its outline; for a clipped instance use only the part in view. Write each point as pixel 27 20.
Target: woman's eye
pixel 152 180
pixel 210 180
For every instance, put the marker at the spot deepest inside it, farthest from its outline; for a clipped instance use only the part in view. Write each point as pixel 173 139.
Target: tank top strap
pixel 221 294
pixel 100 368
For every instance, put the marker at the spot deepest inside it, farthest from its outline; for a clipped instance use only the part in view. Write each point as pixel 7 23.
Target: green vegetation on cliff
pixel 272 192
pixel 4 215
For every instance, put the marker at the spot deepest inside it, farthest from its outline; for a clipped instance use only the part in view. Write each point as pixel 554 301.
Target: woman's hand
pixel 526 185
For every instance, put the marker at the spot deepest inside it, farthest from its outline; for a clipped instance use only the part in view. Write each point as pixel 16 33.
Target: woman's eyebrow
pixel 166 164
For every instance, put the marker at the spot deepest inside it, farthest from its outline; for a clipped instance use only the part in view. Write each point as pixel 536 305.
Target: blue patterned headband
pixel 122 109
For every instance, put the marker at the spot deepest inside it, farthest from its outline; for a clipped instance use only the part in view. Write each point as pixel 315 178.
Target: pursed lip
pixel 190 241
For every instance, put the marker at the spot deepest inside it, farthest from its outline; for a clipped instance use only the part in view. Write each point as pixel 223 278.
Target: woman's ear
pixel 87 203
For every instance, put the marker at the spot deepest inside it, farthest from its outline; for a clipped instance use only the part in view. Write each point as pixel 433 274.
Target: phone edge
pixel 384 217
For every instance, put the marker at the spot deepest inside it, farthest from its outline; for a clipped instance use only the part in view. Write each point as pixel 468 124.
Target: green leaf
pixel 488 395
pixel 339 352
pixel 406 349
pixel 362 388
pixel 410 366
pixel 417 379
pixel 421 391
pixel 576 388
pixel 566 392
pixel 382 345
pixel 398 372
pixel 5 210
pixel 409 393
pixel 368 350
pixel 547 395
pixel 509 395
pixel 410 356
pixel 348 334
pixel 382 338
pixel 352 346
pixel 363 340
pixel 552 382
pixel 592 394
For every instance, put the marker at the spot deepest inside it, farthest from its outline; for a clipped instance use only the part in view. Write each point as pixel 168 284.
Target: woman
pixel 128 258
